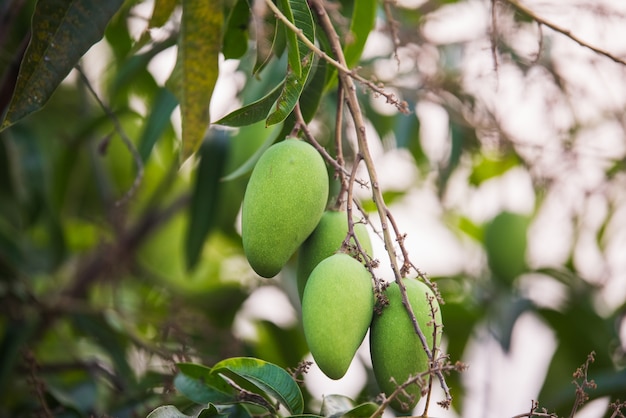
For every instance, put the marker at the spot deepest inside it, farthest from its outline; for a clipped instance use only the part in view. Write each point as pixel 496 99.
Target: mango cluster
pixel 283 212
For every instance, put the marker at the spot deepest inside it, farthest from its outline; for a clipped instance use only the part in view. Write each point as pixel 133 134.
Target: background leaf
pixel 62 31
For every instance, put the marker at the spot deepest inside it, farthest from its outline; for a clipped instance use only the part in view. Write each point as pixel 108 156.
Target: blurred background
pixel 508 177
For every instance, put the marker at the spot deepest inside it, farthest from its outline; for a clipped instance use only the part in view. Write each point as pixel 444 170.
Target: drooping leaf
pixel 62 31
pixel 161 12
pixel 270 41
pixel 236 32
pixel 162 107
pixel 293 43
pixel 267 377
pixel 252 112
pixel 361 24
pixel 197 68
pixel 296 78
pixel 170 411
pixel 204 200
pixel 250 162
pixel 197 383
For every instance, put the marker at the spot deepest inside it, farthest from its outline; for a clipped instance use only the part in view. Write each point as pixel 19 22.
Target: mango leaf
pixel 295 80
pixel 236 32
pixel 361 24
pixel 162 107
pixel 293 44
pixel 252 112
pixel 486 167
pixel 204 201
pixel 197 383
pixel 161 12
pixel 267 377
pixel 266 48
pixel 170 411
pixel 337 406
pixel 246 167
pixel 62 31
pixel 197 68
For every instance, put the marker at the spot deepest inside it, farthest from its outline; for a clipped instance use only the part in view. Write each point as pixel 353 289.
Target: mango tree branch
pixel 346 80
pixel 529 12
pixel 401 105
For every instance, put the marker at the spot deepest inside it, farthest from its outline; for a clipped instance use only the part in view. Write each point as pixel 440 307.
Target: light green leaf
pixel 295 80
pixel 162 107
pixel 250 162
pixel 486 167
pixel 62 31
pixel 361 24
pixel 252 112
pixel 293 45
pixel 161 12
pixel 267 377
pixel 170 411
pixel 198 58
pixel 337 406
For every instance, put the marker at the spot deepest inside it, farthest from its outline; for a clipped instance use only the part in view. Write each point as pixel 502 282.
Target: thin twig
pixel 125 139
pixel 401 105
pixel 526 10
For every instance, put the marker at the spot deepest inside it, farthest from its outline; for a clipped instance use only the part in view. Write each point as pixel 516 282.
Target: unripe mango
pixel 337 308
pixel 395 347
pixel 284 201
pixel 325 241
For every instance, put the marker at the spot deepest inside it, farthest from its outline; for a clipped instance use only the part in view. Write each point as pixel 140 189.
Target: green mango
pixel 337 309
pixel 283 203
pixel 325 241
pixel 395 348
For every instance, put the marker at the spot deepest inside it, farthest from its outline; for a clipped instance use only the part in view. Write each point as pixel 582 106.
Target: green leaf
pixel 62 31
pixel 236 33
pixel 337 406
pixel 197 383
pixel 296 78
pixel 268 377
pixel 159 118
pixel 198 68
pixel 250 162
pixel 252 112
pixel 293 44
pixel 204 200
pixel 161 12
pixel 170 411
pixel 486 167
pixel 361 24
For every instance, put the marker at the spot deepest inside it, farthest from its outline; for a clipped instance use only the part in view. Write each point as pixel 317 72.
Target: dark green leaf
pixel 62 31
pixel 204 200
pixel 236 33
pixel 268 377
pixel 252 112
pixel 162 107
pixel 293 44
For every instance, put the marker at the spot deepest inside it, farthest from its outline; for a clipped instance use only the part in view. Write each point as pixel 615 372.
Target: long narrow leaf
pixel 293 52
pixel 198 67
pixel 62 31
pixel 252 112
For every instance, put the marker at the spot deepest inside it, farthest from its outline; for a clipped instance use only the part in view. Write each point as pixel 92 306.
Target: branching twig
pixel 401 105
pixel 542 21
pixel 125 139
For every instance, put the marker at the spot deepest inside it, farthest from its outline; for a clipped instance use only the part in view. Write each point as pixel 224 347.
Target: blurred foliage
pixel 121 266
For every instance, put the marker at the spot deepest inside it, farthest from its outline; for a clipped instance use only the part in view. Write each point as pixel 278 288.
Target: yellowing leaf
pixel 198 58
